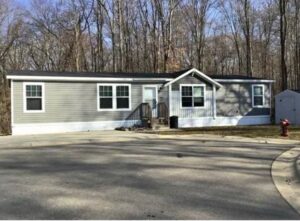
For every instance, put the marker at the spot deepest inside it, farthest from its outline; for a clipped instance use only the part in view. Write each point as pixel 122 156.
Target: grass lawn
pixel 270 131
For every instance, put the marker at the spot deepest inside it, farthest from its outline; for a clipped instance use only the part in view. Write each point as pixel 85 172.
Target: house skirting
pixel 45 128
pixel 223 121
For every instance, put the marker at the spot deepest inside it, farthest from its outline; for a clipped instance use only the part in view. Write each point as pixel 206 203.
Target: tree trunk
pixel 283 24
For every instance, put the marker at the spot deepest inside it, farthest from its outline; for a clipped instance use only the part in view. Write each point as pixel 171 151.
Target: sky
pixel 23 3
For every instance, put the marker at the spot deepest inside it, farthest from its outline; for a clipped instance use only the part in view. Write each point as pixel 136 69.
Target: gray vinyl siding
pixel 236 100
pixel 163 95
pixel 191 112
pixel 73 102
pixel 233 99
pixel 77 102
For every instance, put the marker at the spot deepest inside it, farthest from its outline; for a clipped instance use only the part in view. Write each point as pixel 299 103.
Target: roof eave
pixel 244 80
pixel 91 79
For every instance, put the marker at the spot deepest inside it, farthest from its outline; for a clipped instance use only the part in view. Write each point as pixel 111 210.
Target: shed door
pixel 287 109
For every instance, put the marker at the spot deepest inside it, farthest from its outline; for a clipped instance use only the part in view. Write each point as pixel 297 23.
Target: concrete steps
pixel 159 124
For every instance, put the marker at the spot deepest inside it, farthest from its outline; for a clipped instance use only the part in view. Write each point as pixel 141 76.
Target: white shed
pixel 287 105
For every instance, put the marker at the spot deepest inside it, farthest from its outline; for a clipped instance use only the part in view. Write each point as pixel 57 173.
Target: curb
pixel 214 137
pixel 285 177
pixel 93 137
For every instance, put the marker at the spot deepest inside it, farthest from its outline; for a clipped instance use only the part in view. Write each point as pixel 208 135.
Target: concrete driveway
pixel 145 177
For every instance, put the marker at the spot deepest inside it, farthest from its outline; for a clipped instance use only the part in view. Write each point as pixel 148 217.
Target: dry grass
pixel 270 131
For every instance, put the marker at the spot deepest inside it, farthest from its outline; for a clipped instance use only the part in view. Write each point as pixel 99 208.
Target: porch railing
pixel 142 115
pixel 163 112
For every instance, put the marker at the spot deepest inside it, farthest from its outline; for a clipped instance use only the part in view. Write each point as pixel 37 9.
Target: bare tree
pixel 283 31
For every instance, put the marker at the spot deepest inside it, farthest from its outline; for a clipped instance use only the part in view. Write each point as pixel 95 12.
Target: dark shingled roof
pixel 233 77
pixel 121 74
pixel 98 74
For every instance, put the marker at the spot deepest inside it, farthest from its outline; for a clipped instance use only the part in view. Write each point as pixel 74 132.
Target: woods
pixel 248 37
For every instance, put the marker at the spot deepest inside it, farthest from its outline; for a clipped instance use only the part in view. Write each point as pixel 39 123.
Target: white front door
pixel 150 97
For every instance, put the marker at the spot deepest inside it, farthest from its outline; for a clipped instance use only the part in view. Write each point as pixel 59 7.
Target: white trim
pixel 214 102
pixel 95 79
pixel 244 81
pixel 44 78
pixel 192 85
pixel 263 96
pixel 224 121
pixel 270 88
pixel 25 97
pixel 62 127
pixel 114 97
pixel 12 102
pixel 194 70
pixel 170 101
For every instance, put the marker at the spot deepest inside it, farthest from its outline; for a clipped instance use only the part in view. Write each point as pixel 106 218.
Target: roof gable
pixel 199 73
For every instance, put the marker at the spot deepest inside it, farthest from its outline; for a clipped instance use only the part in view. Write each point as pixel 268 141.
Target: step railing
pixel 146 115
pixel 163 113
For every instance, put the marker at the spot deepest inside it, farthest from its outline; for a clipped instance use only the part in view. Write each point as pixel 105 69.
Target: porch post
pixel 12 104
pixel 214 102
pixel 270 88
pixel 170 100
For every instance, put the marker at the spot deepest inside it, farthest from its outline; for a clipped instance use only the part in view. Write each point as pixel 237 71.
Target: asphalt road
pixel 142 179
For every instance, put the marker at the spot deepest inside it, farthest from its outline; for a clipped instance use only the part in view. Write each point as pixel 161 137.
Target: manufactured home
pixel 54 102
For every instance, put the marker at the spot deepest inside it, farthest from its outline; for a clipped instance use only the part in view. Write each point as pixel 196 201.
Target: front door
pixel 150 97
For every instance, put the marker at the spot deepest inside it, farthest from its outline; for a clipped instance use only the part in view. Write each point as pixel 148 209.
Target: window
pixel 113 97
pixel 122 97
pixel 192 96
pixel 258 95
pixel 106 97
pixel 33 97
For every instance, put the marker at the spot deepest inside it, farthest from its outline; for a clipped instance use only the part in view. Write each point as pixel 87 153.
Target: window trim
pixel 25 97
pixel 263 96
pixel 114 97
pixel 193 85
